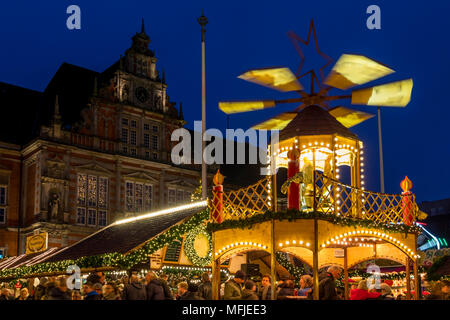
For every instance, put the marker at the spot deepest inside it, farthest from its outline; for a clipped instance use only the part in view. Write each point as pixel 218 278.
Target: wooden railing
pixel 244 202
pixel 334 197
pixel 329 196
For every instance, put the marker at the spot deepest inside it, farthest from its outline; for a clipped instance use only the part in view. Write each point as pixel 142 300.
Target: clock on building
pixel 141 94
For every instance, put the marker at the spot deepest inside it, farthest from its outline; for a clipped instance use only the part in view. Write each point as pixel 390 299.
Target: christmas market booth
pixel 172 240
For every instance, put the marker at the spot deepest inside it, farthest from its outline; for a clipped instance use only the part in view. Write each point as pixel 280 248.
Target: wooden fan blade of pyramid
pixel 245 106
pixel 394 94
pixel 281 79
pixel 350 117
pixel 276 123
pixel 352 70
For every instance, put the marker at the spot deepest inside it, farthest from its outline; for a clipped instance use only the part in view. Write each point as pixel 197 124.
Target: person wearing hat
pixel 39 292
pixel 233 289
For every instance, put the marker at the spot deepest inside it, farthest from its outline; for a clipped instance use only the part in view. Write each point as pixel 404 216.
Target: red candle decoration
pixel 217 213
pixel 407 203
pixel 293 169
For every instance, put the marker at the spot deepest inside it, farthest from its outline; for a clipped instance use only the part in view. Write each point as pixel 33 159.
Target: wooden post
pixel 416 280
pixel 215 268
pixel 274 192
pixel 273 263
pixel 346 295
pixel 316 262
pixel 408 280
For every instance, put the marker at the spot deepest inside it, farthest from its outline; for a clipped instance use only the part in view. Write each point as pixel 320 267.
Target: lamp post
pixel 380 143
pixel 203 21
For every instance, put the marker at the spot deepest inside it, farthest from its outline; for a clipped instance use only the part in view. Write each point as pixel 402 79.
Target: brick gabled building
pixel 88 150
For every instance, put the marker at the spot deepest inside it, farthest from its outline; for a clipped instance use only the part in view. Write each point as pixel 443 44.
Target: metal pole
pixel 380 143
pixel 203 21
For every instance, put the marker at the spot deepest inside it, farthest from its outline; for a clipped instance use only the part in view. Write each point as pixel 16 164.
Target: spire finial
pixel 56 115
pixel 143 26
pixel 163 77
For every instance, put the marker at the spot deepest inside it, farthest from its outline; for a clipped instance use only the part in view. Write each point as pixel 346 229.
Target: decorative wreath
pixel 189 249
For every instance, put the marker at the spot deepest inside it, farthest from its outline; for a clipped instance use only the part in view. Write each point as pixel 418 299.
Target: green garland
pixel 114 259
pixel 189 249
pixel 292 215
pixel 431 272
pixel 295 271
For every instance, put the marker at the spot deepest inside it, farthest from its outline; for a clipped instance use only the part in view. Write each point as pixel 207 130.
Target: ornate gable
pixel 94 168
pixel 140 176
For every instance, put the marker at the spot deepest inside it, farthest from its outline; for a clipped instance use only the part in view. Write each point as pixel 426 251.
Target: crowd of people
pixel 153 287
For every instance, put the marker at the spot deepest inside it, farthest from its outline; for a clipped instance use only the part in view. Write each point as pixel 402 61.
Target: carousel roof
pixel 314 120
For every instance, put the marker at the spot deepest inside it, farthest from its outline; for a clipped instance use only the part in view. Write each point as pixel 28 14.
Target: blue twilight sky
pixel 242 35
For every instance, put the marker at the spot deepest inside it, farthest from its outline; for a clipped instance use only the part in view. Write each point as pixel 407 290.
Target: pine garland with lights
pixel 292 215
pixel 431 272
pixel 295 271
pixel 115 259
pixel 189 249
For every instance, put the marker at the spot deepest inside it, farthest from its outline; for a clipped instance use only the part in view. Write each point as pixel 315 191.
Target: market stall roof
pixel 125 235
pixel 26 259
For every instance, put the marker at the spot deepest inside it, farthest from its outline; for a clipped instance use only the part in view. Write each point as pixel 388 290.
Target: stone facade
pixel 76 177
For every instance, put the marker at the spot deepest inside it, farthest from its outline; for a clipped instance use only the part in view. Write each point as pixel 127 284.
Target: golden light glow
pixel 394 94
pixel 278 122
pixel 349 117
pixel 244 106
pixel 352 70
pixel 281 79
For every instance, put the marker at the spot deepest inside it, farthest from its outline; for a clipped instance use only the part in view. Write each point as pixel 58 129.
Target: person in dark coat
pixel 205 288
pixel 60 291
pixel 386 292
pixel 167 292
pixel 188 291
pixel 249 291
pixel 155 288
pixel 327 286
pixel 39 292
pixel 90 292
pixel 135 290
pixel 265 292
pixel 233 289
pixel 287 289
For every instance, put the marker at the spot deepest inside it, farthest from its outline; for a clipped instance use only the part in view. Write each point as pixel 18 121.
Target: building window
pixel 155 128
pixel 146 140
pixel 133 123
pixel 139 196
pixel 124 137
pixel 133 152
pixel 2 253
pixel 133 138
pixel 125 149
pixel 2 195
pixel 147 154
pixel 125 122
pixel 81 215
pixel 92 215
pixel 92 194
pixel 155 156
pixel 3 203
pixel 102 218
pixel 146 126
pixel 155 142
pixel 178 196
